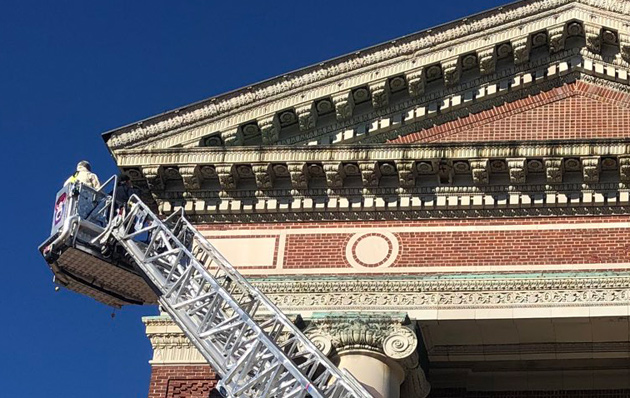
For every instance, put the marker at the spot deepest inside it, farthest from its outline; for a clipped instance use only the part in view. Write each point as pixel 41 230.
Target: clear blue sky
pixel 71 70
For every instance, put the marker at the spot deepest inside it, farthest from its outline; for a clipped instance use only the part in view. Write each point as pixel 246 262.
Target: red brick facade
pixel 574 111
pixel 194 381
pixel 452 243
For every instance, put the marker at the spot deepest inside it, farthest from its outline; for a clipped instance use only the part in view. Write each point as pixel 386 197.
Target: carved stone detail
pixel 593 37
pixel 415 82
pixel 521 48
pixel 379 333
pixel 232 136
pixel 344 105
pixel 191 177
pixel 591 169
pixel 480 171
pixel 517 170
pixel 487 60
pixel 407 173
pixel 307 116
pixel 334 174
pixel 264 178
pixel 451 71
pixel 380 94
pixel 624 169
pixel 154 177
pixel 383 334
pixel 299 176
pixel 270 129
pixel 370 174
pixel 624 46
pixel 557 38
pixel 227 177
pixel 553 170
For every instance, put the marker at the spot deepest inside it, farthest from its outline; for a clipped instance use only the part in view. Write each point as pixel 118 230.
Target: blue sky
pixel 71 70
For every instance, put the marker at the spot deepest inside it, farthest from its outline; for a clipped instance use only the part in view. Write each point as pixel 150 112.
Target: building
pixel 446 214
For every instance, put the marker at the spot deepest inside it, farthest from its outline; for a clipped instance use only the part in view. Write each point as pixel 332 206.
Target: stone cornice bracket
pixel 299 175
pixel 407 173
pixel 232 137
pixel 553 170
pixel 517 170
pixel 264 177
pixel 154 177
pixel 480 171
pixel 382 334
pixel 591 169
pixel 370 174
pixel 307 116
pixel 624 170
pixel 228 178
pixel 335 174
pixel 191 176
pixel 624 46
pixel 344 105
pixel 556 37
pixel 451 71
pixel 415 82
pixel 380 94
pixel 487 60
pixel 521 48
pixel 269 129
pixel 593 37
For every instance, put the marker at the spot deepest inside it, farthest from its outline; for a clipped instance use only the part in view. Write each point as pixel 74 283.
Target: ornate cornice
pixel 397 181
pixel 380 71
pixel 412 293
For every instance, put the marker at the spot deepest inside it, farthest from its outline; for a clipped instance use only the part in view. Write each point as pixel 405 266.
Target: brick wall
pixel 194 381
pixel 574 111
pixel 444 243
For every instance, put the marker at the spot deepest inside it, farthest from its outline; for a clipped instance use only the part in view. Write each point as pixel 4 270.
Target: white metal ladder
pixel 251 344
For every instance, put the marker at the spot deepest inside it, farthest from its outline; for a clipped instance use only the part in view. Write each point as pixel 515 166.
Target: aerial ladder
pixel 254 348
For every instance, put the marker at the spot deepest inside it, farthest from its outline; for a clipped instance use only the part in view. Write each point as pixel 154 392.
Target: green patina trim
pixel 536 275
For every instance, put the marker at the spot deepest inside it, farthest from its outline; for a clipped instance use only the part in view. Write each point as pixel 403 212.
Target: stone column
pixel 379 350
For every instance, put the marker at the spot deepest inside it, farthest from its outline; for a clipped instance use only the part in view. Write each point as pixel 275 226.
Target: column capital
pixel 389 336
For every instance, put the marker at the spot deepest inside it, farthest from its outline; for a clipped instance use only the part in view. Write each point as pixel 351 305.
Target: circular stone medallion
pixel 372 250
